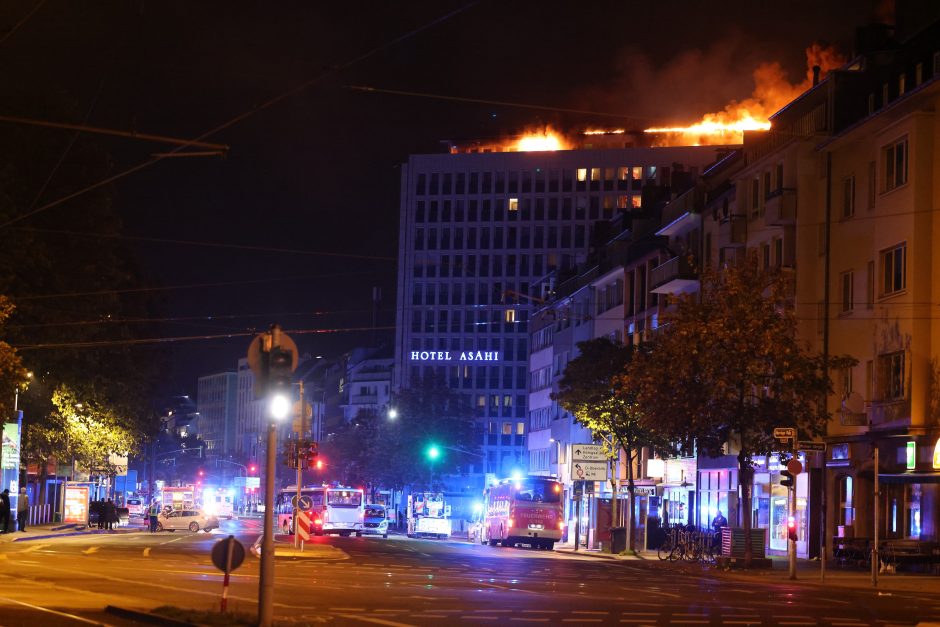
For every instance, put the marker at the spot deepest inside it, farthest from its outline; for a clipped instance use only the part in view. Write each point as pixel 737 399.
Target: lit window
pixel 520 428
pixel 623 173
pixel 637 173
pixel 893 263
pixel 514 204
pixel 635 202
pixel 622 202
pixel 894 160
pixel 582 174
pixel 507 428
pixel 595 174
pixel 510 315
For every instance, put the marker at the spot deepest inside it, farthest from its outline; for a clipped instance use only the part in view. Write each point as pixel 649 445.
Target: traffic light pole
pixel 791 492
pixel 300 471
pixel 266 580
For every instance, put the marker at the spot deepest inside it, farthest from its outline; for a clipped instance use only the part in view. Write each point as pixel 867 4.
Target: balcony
pixel 733 231
pixel 780 207
pixel 676 276
pixel 890 413
pixel 363 399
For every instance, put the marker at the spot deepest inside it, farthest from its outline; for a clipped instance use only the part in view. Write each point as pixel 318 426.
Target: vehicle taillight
pixel 561 525
pixel 512 523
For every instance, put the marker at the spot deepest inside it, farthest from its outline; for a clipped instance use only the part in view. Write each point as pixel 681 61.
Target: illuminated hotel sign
pixel 454 356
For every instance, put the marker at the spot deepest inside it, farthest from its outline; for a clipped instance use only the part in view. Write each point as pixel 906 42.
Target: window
pixel 582 174
pixel 846 382
pixel 872 187
pixel 510 315
pixel 847 280
pixel 848 197
pixel 893 262
pixel 894 159
pixel 514 204
pixel 870 287
pixel 520 428
pixel 507 428
pixel 891 368
pixel 846 509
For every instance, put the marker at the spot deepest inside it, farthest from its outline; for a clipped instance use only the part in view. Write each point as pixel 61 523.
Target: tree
pixel 12 373
pixel 727 367
pixel 588 391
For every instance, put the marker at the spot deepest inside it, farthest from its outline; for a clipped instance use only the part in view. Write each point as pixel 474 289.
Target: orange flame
pixel 539 140
pixel 771 93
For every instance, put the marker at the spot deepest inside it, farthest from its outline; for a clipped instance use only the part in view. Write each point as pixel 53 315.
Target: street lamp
pixel 392 413
pixel 16 397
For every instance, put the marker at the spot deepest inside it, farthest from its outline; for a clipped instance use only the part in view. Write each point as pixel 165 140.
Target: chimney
pixel 816 70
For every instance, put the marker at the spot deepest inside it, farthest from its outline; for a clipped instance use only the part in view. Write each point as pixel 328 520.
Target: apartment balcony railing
pixel 675 276
pixel 890 413
pixel 363 399
pixel 780 207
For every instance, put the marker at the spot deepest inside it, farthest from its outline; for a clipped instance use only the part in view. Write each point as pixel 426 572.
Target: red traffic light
pixel 252 468
pixel 319 464
pixel 791 528
pixel 201 473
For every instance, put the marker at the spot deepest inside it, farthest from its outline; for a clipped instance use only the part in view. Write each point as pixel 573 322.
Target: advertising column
pixel 10 459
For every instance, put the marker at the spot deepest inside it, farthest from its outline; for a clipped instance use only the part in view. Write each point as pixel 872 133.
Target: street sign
pixel 308 414
pixel 220 554
pixel 794 467
pixel 303 526
pixel 819 447
pixel 252 482
pixel 588 453
pixel 305 503
pixel 784 432
pixel 588 471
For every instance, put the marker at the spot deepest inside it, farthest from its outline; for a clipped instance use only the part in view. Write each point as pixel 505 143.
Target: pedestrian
pixel 5 511
pixel 22 509
pixel 110 515
pixel 718 522
pixel 99 508
pixel 154 512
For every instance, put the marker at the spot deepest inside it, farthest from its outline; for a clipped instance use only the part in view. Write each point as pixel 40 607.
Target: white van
pixel 343 512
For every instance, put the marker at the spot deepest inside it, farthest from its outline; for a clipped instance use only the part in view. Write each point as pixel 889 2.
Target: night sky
pixel 318 172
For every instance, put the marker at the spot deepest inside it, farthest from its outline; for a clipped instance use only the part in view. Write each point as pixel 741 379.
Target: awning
pixel 910 477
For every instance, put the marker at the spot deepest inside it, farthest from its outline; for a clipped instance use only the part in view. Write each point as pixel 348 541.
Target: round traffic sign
pixel 794 467
pixel 305 503
pixel 220 554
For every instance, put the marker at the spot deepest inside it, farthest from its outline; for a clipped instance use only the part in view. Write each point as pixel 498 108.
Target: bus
pixel 335 510
pixel 523 511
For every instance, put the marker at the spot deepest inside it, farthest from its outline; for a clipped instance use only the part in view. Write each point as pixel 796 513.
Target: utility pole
pixel 875 560
pixel 300 472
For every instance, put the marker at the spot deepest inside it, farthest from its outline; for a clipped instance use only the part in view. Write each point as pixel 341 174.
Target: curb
pixel 90 532
pixel 146 617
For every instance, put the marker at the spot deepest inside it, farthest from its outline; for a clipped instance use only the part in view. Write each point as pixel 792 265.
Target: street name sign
pixel 784 432
pixel 588 471
pixel 588 453
pixel 819 447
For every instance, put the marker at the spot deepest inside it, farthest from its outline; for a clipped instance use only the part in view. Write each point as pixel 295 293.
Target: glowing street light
pixel 433 452
pixel 280 406
pixel 392 413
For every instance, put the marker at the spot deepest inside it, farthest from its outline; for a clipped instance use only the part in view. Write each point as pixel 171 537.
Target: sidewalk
pixel 60 530
pixel 807 573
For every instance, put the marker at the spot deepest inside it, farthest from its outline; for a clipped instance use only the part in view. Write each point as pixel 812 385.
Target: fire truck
pixel 428 515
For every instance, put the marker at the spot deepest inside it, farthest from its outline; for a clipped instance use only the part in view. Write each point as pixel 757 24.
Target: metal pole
pixel 791 544
pixel 875 562
pixel 577 520
pixel 266 580
pixel 300 472
pixel 825 356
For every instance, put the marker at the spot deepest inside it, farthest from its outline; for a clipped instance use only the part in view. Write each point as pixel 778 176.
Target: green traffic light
pixel 434 452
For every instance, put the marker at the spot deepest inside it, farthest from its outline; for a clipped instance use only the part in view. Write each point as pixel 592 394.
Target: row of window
pixel 891 279
pixel 513 208
pixel 462 321
pixel 459 293
pixel 551 180
pixel 533 264
pixel 884 378
pixel 511 238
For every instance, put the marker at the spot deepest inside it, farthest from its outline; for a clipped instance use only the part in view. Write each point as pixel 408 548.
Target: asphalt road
pixel 400 581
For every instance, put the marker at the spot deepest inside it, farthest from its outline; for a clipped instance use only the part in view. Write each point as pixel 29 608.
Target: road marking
pixel 45 609
pixel 377 621
pixel 147 552
pixel 32 549
pixel 530 620
pixel 91 550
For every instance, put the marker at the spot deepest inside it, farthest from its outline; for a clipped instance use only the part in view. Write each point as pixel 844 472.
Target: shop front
pixel 771 506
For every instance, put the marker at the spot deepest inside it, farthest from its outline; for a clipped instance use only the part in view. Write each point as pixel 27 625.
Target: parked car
pixel 193 520
pixel 375 521
pixel 136 507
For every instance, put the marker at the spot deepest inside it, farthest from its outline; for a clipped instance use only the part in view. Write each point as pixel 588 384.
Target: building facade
pixel 216 402
pixel 478 230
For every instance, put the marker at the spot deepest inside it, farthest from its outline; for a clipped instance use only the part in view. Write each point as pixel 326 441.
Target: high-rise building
pixel 216 403
pixel 479 228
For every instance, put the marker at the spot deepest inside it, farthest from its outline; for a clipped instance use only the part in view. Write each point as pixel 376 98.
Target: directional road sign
pixel 784 432
pixel 588 453
pixel 819 447
pixel 588 471
pixel 303 526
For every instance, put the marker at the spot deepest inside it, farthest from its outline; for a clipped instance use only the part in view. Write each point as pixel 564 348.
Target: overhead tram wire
pixel 22 21
pixel 188 338
pixel 182 242
pixel 204 318
pixel 242 116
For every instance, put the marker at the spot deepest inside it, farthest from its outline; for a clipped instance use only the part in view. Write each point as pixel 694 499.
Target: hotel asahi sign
pixel 454 356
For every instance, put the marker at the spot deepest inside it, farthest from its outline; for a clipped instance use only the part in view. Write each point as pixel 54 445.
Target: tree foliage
pixel 392 453
pixel 726 367
pixel 12 373
pixel 588 391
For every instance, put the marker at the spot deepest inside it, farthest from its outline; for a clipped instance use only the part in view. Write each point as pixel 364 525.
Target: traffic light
pixel 280 366
pixel 788 478
pixel 791 528
pixel 313 450
pixel 252 468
